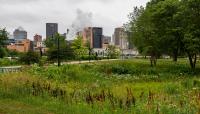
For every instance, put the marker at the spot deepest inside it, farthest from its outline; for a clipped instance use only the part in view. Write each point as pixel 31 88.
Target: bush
pixel 3 52
pixel 30 58
pixel 7 62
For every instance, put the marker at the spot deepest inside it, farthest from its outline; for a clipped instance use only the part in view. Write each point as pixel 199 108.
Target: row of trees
pixel 76 50
pixel 58 49
pixel 168 27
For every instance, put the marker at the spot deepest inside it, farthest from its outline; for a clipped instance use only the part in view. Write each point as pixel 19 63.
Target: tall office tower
pixel 94 36
pixel 121 38
pixel 97 37
pixel 20 34
pixel 51 29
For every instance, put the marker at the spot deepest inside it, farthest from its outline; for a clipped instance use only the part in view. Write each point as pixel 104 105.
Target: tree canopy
pixel 167 27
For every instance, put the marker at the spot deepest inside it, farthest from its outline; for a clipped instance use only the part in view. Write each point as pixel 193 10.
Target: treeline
pixel 167 27
pixel 58 49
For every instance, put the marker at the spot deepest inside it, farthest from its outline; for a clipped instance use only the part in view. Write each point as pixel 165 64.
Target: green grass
pixel 114 87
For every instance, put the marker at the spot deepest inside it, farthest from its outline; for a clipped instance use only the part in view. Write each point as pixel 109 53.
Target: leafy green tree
pixel 166 17
pixel 191 14
pixel 78 47
pixel 144 34
pixel 3 38
pixel 167 27
pixel 53 52
pixel 112 52
pixel 89 48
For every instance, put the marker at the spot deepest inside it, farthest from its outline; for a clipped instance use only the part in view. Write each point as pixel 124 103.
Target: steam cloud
pixel 83 19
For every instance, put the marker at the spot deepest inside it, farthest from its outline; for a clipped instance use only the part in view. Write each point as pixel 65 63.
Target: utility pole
pixel 58 51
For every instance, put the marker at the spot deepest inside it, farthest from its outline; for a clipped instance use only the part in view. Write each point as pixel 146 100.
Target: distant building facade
pixel 37 38
pixel 51 29
pixel 38 41
pixel 121 38
pixel 39 45
pixel 93 35
pixel 21 46
pixel 106 41
pixel 20 34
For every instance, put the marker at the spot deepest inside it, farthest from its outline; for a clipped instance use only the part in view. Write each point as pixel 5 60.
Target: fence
pixel 10 69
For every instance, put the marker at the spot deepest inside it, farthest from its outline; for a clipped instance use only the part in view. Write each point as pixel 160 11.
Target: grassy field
pixel 115 87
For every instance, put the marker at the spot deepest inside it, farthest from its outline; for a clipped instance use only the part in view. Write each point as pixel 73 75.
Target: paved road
pixel 92 61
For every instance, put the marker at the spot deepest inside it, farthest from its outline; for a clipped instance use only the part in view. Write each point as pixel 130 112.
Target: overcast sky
pixel 74 14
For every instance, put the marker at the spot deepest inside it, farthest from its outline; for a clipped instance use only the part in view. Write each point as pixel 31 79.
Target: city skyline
pixel 32 15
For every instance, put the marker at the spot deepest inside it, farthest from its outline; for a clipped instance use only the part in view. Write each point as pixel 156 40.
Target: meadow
pixel 110 87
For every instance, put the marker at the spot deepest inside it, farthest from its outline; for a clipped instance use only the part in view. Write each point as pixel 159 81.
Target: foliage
pixel 112 52
pixel 7 62
pixel 3 37
pixel 79 47
pixel 85 89
pixel 65 52
pixel 30 58
pixel 167 27
pixel 3 52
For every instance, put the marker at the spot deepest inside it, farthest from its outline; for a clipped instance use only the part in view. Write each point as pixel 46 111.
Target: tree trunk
pixel 175 55
pixel 153 60
pixel 193 60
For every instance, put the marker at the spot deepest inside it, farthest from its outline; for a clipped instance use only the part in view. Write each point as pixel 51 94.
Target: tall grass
pixel 117 87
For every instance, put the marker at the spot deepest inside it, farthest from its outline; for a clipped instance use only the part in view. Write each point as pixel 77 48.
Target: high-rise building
pixel 94 36
pixel 121 38
pixel 51 29
pixel 97 37
pixel 20 34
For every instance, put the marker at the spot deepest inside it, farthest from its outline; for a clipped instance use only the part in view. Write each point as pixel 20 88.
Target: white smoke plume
pixel 83 19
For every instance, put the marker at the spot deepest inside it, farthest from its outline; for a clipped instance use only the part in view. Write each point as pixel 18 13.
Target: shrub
pixel 29 58
pixel 7 62
pixel 3 52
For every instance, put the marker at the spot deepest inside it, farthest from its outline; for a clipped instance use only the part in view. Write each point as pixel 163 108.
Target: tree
pixel 89 48
pixel 144 33
pixel 78 47
pixel 3 38
pixel 112 52
pixel 191 14
pixel 167 27
pixel 166 17
pixel 56 52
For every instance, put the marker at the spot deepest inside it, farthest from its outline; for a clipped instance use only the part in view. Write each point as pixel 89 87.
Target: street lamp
pixel 58 51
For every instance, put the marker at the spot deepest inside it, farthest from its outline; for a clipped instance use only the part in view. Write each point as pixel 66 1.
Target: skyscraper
pixel 20 34
pixel 51 29
pixel 121 38
pixel 94 36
